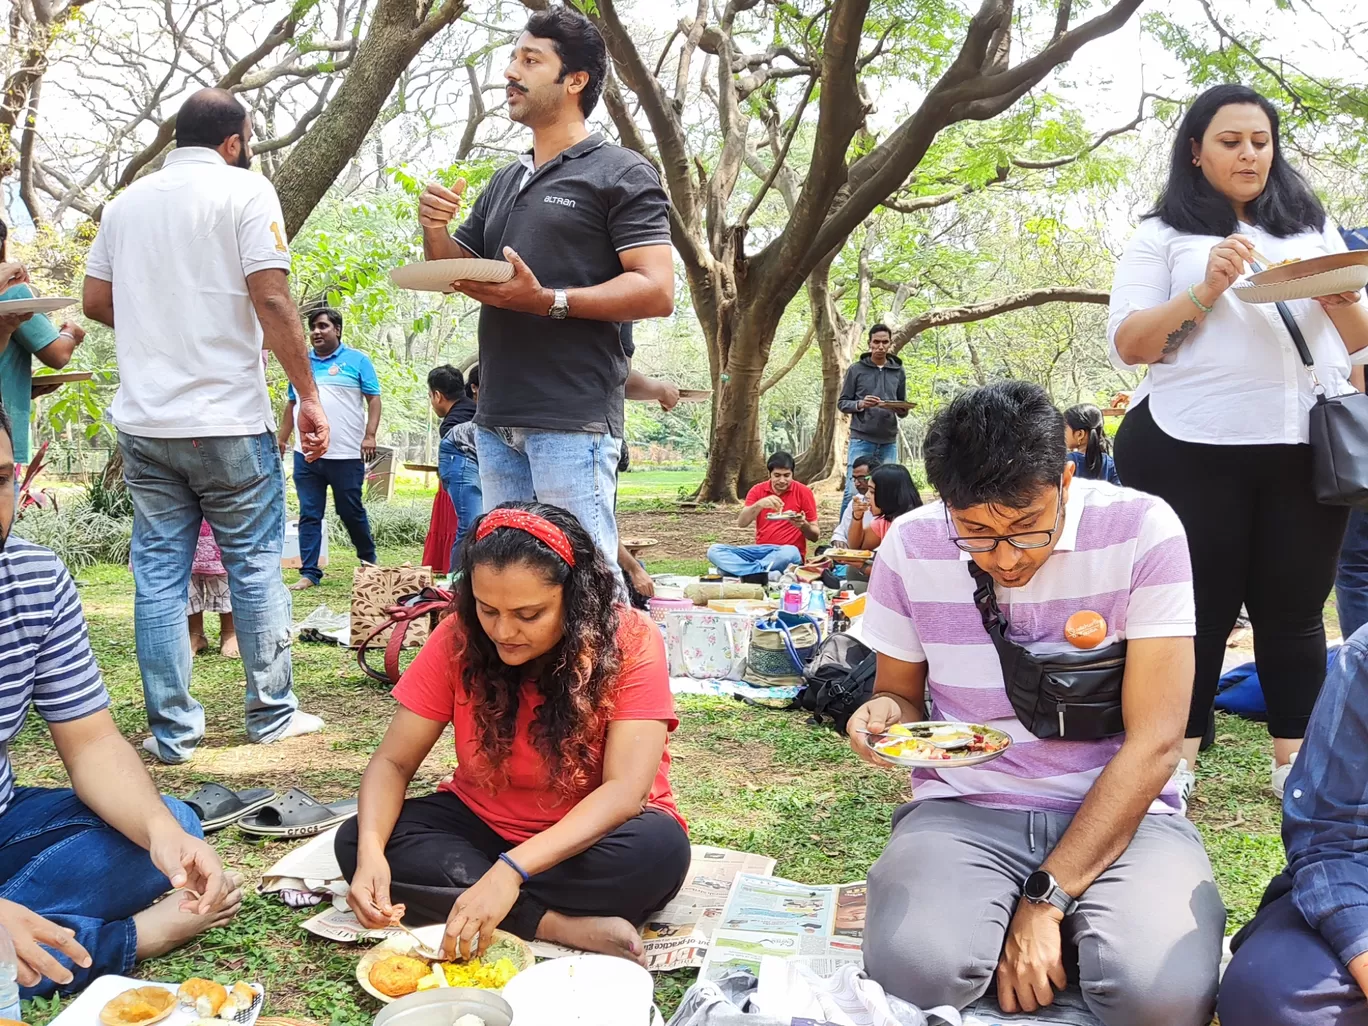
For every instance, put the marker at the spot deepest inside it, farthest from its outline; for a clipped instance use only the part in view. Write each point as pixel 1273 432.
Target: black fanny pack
pixel 1075 696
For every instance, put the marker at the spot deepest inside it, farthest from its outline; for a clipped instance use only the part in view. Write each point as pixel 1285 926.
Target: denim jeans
pixel 312 480
pixel 60 860
pixel 575 470
pixel 1351 580
pixel 461 478
pixel 237 485
pixel 744 560
pixel 885 452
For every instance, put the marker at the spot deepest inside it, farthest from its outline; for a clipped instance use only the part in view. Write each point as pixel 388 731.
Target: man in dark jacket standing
pixel 877 376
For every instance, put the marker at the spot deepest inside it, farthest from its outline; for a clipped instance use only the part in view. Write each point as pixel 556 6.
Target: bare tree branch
pixel 795 358
pixel 943 316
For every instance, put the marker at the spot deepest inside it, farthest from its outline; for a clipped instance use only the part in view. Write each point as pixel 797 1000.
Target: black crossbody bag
pixel 1074 696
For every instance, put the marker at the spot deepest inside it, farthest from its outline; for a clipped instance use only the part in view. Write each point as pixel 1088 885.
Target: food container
pixel 662 607
pixel 443 1006
pixel 855 607
pixel 583 990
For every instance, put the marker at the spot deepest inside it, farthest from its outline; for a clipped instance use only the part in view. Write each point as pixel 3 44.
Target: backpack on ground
pixel 838 681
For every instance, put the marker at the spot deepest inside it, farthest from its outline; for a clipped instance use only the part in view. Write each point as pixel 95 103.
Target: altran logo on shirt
pixel 559 200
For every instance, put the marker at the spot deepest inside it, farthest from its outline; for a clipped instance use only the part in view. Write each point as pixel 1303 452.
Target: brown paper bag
pixel 374 590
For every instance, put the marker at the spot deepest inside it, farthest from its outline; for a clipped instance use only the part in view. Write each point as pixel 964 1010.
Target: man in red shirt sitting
pixel 784 512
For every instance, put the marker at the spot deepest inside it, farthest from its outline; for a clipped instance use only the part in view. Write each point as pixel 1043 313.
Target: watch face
pixel 1038 885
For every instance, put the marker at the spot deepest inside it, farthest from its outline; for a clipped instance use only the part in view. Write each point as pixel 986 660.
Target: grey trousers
pixel 1144 944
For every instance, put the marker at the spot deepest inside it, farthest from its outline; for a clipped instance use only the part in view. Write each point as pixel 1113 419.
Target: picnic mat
pixel 777 697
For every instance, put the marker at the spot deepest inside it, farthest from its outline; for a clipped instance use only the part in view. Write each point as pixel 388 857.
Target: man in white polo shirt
pixel 1066 857
pixel 191 270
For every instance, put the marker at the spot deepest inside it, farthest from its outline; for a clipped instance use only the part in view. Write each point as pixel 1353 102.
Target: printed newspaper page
pixel 821 925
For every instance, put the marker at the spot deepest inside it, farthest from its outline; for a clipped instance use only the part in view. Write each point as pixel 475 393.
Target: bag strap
pixel 401 617
pixel 782 628
pixel 985 597
pixel 1298 339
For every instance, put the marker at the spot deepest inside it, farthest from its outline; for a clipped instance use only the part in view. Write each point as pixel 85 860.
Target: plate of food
pixel 788 514
pixel 939 744
pixel 437 275
pixel 849 555
pixel 1304 279
pixel 393 968
pixel 637 544
pixel 695 395
pixel 137 1003
pixel 62 377
pixel 35 305
pixel 897 405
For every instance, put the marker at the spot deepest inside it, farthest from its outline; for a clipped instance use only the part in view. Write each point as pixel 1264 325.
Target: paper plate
pixel 38 305
pixel 426 468
pixel 893 404
pixel 1306 279
pixel 914 762
pixel 632 544
pixel 62 378
pixel 695 395
pixel 437 275
pixel 432 937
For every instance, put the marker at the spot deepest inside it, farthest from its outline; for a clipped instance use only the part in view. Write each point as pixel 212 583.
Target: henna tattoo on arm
pixel 1179 336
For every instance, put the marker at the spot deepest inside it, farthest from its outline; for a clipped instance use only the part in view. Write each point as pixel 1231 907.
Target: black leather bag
pixel 1074 696
pixel 1339 434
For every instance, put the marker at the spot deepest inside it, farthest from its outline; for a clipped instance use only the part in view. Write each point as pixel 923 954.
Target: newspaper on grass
pixel 820 926
pixel 677 936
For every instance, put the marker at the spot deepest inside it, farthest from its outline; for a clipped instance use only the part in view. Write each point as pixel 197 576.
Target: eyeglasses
pixel 1021 540
pixel 861 478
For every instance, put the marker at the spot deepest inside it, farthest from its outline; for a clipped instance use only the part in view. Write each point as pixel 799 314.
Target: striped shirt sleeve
pixel 888 626
pixel 66 682
pixel 1161 599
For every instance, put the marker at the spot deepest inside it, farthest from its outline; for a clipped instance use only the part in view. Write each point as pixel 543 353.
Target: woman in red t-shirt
pixel 892 492
pixel 558 822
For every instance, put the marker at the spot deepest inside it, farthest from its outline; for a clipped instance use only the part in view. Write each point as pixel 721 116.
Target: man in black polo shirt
pixel 585 225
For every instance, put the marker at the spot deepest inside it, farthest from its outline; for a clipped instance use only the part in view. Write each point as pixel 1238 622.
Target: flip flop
pixel 296 814
pixel 218 807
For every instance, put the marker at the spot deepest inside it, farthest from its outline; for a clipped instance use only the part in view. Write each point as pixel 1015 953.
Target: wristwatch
pixel 1042 889
pixel 560 306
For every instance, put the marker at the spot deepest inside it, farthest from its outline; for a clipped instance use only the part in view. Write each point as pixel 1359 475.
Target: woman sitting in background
pixel 558 822
pixel 891 494
pixel 1089 446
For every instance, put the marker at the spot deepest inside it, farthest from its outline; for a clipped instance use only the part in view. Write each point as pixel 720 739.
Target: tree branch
pixel 1111 133
pixel 943 316
pixel 795 358
pixel 779 157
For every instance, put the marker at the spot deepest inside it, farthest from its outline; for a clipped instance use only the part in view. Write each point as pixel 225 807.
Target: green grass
pixel 750 778
pixel 658 484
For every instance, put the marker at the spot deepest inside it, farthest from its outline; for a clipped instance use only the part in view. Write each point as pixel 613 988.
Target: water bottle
pixel 9 978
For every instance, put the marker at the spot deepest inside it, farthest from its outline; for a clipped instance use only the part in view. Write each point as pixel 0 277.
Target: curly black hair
pixel 576 677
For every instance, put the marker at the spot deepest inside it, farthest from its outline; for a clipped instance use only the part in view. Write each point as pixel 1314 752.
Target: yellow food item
pixel 478 973
pixel 205 996
pixel 398 975
pixel 139 1005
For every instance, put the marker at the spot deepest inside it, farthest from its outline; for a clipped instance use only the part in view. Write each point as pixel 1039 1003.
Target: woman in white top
pixel 1219 428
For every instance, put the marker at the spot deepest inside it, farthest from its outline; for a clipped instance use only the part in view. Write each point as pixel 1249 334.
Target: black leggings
pixel 439 847
pixel 1257 536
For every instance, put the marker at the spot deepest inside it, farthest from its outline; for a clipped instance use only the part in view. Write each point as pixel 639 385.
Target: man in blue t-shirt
pixel 81 868
pixel 34 336
pixel 350 393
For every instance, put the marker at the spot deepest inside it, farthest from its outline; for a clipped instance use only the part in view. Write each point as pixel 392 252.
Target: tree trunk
pixel 397 31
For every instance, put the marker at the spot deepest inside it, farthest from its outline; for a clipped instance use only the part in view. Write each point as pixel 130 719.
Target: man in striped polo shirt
pixel 81 869
pixel 1060 860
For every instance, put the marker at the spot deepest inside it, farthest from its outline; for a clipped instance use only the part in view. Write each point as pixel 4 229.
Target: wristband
pixel 1192 295
pixel 503 857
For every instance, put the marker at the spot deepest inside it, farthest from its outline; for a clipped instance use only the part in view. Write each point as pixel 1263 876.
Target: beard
pixel 244 159
pixel 537 107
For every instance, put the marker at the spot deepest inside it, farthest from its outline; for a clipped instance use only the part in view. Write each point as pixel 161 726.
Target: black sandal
pixel 296 813
pixel 218 806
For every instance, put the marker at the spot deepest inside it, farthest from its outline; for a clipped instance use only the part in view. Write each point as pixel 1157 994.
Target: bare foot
pixel 303 584
pixel 606 935
pixel 228 647
pixel 199 644
pixel 163 927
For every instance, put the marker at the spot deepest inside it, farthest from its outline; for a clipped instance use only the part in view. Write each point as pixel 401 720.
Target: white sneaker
pixel 1280 776
pixel 150 746
pixel 301 723
pixel 1185 780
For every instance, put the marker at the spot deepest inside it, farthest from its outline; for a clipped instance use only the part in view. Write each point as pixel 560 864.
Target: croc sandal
pixel 296 814
pixel 218 807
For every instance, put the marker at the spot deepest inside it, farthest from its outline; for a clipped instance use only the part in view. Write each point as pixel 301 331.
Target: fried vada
pixel 398 975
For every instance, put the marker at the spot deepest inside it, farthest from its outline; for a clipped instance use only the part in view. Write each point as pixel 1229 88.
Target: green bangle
pixel 1192 295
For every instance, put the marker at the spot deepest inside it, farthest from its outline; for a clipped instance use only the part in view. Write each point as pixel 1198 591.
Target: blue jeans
pixel 237 485
pixel 312 480
pixel 744 560
pixel 1351 580
pixel 60 860
pixel 885 452
pixel 575 470
pixel 461 478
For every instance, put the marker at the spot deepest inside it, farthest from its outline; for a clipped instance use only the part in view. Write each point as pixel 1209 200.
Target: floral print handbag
pixel 706 645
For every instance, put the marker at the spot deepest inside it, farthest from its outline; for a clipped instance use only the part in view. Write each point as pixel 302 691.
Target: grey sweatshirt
pixel 865 378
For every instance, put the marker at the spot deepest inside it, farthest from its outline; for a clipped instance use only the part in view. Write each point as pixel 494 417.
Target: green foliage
pixel 79 534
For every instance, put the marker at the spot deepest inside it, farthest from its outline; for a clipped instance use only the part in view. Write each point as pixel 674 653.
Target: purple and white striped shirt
pixel 1121 553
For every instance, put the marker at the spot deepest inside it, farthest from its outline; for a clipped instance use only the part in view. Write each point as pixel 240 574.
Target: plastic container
pixel 662 607
pixel 584 990
pixel 289 554
pixel 9 978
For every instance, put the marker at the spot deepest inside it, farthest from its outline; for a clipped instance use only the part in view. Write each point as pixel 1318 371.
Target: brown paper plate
pixel 425 468
pixel 35 305
pixel 62 378
pixel 403 944
pixel 1305 279
pixel 437 275
pixel 633 544
pixel 893 404
pixel 695 395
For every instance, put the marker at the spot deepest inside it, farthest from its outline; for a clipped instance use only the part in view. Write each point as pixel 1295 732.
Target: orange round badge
pixel 1085 629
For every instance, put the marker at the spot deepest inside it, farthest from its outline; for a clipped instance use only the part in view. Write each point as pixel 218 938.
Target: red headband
pixel 537 526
